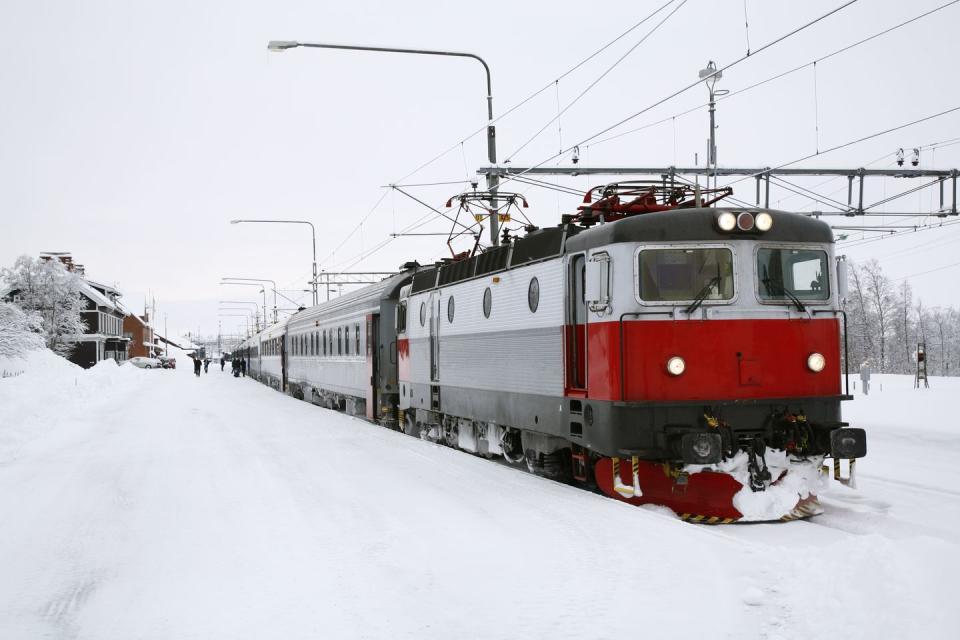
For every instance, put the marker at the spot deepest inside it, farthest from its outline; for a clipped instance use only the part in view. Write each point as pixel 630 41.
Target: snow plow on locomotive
pixel 663 353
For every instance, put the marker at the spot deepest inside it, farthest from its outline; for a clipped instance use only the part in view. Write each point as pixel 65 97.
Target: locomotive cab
pixel 709 337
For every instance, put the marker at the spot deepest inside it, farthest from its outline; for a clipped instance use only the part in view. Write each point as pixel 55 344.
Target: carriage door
pixel 373 364
pixel 435 337
pixel 575 332
pixel 283 361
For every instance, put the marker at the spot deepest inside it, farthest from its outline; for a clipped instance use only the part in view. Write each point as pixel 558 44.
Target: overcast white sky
pixel 132 132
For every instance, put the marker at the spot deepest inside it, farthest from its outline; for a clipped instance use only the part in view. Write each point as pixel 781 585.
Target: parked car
pixel 167 362
pixel 145 363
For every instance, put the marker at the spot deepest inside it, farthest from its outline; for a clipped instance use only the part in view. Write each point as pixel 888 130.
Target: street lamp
pixel 263 291
pixel 255 314
pixel 313 231
pixel 257 306
pixel 710 75
pixel 493 180
pixel 224 280
pixel 238 315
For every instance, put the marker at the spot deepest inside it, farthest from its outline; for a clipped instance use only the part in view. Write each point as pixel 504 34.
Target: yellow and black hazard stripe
pixel 690 517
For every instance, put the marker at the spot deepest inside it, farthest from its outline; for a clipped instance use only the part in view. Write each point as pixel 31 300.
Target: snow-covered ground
pixel 152 504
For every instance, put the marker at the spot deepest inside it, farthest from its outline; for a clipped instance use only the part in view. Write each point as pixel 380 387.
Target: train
pixel 650 347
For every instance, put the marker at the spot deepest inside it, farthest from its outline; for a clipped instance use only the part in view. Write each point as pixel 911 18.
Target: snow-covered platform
pixel 152 504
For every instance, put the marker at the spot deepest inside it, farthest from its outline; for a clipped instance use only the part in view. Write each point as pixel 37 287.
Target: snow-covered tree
pixel 880 298
pixel 20 331
pixel 47 288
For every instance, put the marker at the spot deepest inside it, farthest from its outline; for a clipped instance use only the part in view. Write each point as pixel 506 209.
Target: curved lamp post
pixel 493 180
pixel 313 233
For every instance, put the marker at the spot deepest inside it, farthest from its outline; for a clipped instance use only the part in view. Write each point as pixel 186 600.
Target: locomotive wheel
pixel 555 466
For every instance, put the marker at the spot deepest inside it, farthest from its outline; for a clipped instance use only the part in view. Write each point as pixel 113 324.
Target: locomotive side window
pixel 801 272
pixel 533 295
pixel 675 275
pixel 402 317
pixel 450 310
pixel 423 313
pixel 487 302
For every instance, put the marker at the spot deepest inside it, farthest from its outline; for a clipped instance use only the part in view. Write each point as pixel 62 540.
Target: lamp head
pixel 710 75
pixel 282 45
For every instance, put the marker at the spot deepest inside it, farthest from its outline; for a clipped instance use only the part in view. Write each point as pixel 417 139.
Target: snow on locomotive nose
pixel 712 353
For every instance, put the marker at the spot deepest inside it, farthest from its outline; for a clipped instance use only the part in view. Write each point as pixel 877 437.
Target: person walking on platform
pixel 243 367
pixel 196 365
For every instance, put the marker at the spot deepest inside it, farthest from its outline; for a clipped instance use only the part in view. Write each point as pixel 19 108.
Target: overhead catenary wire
pixel 837 52
pixel 603 75
pixel 686 88
pixel 849 143
pixel 783 74
pixel 535 94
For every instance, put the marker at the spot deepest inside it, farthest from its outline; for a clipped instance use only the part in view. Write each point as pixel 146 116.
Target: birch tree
pixel 20 331
pixel 46 288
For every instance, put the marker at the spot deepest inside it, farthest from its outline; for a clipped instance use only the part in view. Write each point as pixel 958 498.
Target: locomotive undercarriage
pixel 702 460
pixel 696 463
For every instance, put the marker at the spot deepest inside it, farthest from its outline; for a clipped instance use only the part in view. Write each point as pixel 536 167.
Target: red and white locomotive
pixel 665 353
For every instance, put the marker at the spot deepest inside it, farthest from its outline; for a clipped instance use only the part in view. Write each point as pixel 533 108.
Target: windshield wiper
pixel 715 280
pixel 785 291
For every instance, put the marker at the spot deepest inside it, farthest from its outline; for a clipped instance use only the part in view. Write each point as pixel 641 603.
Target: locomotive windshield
pixel 675 275
pixel 801 272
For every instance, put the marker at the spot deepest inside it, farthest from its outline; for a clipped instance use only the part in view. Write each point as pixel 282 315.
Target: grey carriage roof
pixel 369 296
pixel 682 225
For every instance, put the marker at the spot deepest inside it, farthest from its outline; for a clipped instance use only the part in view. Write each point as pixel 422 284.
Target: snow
pixel 155 504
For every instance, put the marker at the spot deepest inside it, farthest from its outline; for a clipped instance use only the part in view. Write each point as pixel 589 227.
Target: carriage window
pixel 674 275
pixel 323 336
pixel 801 272
pixel 356 337
pixel 346 333
pixel 339 341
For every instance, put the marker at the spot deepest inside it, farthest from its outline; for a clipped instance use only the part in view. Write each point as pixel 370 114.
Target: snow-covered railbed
pixel 153 504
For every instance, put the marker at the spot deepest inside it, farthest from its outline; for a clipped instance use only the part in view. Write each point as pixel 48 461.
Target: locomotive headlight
pixel 816 362
pixel 764 221
pixel 745 221
pixel 676 366
pixel 726 221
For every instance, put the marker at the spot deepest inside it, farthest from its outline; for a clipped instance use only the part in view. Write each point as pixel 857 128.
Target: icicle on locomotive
pixel 663 352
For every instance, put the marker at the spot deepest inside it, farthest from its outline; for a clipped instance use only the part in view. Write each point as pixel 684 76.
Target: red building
pixel 140 333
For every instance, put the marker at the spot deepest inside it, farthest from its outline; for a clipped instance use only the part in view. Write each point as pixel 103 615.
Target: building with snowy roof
pixel 104 316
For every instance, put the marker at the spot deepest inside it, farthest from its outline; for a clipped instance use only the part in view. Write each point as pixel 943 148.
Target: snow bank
pixel 45 387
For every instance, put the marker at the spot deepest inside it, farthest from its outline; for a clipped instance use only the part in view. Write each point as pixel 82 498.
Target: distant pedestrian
pixel 196 366
pixel 236 367
pixel 243 367
pixel 865 377
pixel 223 361
pixel 206 365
